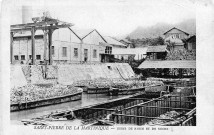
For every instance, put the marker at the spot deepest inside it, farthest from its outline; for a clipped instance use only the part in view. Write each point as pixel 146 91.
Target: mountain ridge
pixel 157 30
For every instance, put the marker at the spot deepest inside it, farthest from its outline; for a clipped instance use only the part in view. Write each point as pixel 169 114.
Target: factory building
pixel 68 46
pixel 22 47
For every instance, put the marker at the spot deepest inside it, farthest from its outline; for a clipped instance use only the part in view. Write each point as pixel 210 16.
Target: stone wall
pixel 68 74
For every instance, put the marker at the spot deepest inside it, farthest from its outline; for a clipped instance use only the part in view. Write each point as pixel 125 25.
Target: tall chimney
pixel 27 14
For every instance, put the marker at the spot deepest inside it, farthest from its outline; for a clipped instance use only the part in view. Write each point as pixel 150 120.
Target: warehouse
pixel 68 46
pixel 77 45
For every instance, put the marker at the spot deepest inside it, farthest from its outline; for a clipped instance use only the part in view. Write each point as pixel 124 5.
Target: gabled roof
pixel 177 29
pixel 158 48
pixel 113 41
pixel 168 64
pixel 83 33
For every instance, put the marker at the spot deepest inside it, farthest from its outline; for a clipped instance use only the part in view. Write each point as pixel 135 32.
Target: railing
pixel 100 111
pixel 141 113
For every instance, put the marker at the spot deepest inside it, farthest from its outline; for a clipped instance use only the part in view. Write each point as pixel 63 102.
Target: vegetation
pixel 181 55
pixel 147 41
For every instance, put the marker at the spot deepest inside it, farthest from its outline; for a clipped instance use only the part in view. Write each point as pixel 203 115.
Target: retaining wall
pixel 67 74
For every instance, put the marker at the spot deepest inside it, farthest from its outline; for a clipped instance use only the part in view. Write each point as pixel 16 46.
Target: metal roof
pixel 158 48
pixel 113 41
pixel 169 64
pixel 129 51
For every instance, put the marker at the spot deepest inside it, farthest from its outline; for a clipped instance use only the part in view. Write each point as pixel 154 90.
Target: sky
pixel 117 17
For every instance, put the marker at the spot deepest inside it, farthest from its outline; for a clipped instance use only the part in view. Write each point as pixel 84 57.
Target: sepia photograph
pixel 103 65
pixel 121 65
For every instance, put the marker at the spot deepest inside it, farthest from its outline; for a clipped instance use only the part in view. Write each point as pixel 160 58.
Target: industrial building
pixel 68 46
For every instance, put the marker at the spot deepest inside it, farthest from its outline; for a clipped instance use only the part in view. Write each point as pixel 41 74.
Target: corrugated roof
pixel 158 48
pixel 129 51
pixel 169 64
pixel 113 41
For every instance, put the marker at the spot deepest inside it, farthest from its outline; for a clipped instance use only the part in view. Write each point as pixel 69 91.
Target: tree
pixel 157 41
pixel 128 38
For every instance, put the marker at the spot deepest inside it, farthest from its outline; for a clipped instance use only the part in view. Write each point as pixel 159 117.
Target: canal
pixel 87 99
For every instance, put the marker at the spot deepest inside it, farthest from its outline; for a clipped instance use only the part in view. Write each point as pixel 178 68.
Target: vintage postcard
pixel 98 66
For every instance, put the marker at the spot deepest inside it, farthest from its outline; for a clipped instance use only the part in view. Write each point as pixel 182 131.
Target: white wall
pixel 70 58
pixel 23 46
pixel 61 38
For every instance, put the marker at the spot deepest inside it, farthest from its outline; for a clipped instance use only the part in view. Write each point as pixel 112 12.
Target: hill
pixel 188 26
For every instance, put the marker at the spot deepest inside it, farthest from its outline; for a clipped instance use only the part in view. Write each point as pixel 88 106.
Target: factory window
pixel 75 52
pixel 95 53
pixel 52 49
pixel 22 57
pixel 16 57
pixel 177 36
pixel 30 56
pixel 38 57
pixel 108 50
pixel 64 51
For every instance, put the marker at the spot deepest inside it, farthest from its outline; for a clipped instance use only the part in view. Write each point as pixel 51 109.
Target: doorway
pixel 85 55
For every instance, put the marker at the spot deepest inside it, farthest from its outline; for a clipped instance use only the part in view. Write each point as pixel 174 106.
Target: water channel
pixel 87 99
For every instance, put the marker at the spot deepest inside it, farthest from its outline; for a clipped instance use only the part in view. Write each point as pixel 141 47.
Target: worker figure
pixel 70 115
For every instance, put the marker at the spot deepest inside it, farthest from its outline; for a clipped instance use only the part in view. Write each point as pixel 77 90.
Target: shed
pixel 158 48
pixel 168 64
pixel 157 52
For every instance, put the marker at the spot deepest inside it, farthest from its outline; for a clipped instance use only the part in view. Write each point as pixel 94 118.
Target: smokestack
pixel 27 14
